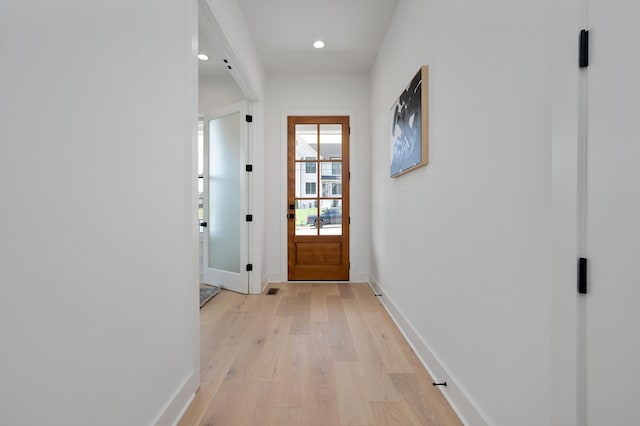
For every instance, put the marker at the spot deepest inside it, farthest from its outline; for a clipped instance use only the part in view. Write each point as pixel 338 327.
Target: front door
pixel 225 239
pixel 318 198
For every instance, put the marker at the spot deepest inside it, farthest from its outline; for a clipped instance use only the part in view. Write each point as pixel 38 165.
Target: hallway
pixel 313 354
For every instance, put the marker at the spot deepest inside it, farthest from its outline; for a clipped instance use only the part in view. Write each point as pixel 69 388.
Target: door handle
pixel 292 216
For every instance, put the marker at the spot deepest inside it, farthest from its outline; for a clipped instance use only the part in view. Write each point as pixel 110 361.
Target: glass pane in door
pixel 330 141
pixel 306 179
pixel 330 217
pixel 306 142
pixel 331 179
pixel 224 193
pixel 306 217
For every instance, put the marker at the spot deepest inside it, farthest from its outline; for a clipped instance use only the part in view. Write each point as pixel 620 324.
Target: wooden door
pixel 318 198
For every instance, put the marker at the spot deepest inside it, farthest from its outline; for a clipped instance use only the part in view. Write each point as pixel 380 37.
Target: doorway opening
pixel 223 152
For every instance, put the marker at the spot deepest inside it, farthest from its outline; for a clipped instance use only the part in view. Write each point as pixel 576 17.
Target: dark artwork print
pixel 406 128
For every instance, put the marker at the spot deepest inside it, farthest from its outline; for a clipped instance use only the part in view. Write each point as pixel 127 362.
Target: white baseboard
pixel 178 404
pixel 264 283
pixel 454 393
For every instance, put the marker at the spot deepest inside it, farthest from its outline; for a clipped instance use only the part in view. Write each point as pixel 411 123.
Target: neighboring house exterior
pixel 307 183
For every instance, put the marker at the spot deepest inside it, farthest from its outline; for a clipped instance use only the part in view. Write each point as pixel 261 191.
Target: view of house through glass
pixel 318 179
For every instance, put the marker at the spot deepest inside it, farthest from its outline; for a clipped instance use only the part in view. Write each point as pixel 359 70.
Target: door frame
pixel 353 205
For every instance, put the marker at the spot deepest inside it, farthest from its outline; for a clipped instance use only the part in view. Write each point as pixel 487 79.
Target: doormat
pixel 206 293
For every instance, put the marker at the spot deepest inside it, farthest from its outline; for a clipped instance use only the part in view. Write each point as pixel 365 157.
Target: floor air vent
pixel 272 291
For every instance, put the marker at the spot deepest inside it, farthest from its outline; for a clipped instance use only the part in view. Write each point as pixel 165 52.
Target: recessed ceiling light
pixel 203 57
pixel 318 44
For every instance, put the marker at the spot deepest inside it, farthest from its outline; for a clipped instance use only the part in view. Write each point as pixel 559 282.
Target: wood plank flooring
pixel 314 354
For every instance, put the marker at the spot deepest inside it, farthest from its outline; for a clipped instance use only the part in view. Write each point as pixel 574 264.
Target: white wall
pixel 215 92
pixel 316 95
pixel 461 248
pixel 98 238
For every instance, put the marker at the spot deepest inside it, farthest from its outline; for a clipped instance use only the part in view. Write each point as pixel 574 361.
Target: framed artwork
pixel 410 126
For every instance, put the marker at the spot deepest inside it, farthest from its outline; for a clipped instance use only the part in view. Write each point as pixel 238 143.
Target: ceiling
pixel 284 30
pixel 215 66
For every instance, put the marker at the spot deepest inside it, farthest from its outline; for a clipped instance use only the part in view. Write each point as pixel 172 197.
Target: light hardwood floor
pixel 314 354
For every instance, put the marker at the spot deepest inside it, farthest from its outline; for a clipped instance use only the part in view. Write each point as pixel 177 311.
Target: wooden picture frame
pixel 409 137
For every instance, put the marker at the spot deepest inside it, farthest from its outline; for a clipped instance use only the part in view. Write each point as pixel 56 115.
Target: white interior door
pixel 225 239
pixel 613 214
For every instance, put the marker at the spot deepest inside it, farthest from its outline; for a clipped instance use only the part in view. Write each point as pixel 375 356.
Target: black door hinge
pixel 249 118
pixel 249 218
pixel 203 223
pixel 249 267
pixel 349 220
pixel 582 275
pixel 248 168
pixel 584 49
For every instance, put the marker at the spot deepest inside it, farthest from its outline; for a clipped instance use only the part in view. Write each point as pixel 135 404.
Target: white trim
pixel 210 26
pixel 255 203
pixel 173 410
pixel 249 207
pixel 177 405
pixel 263 285
pixel 184 410
pixel 454 393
